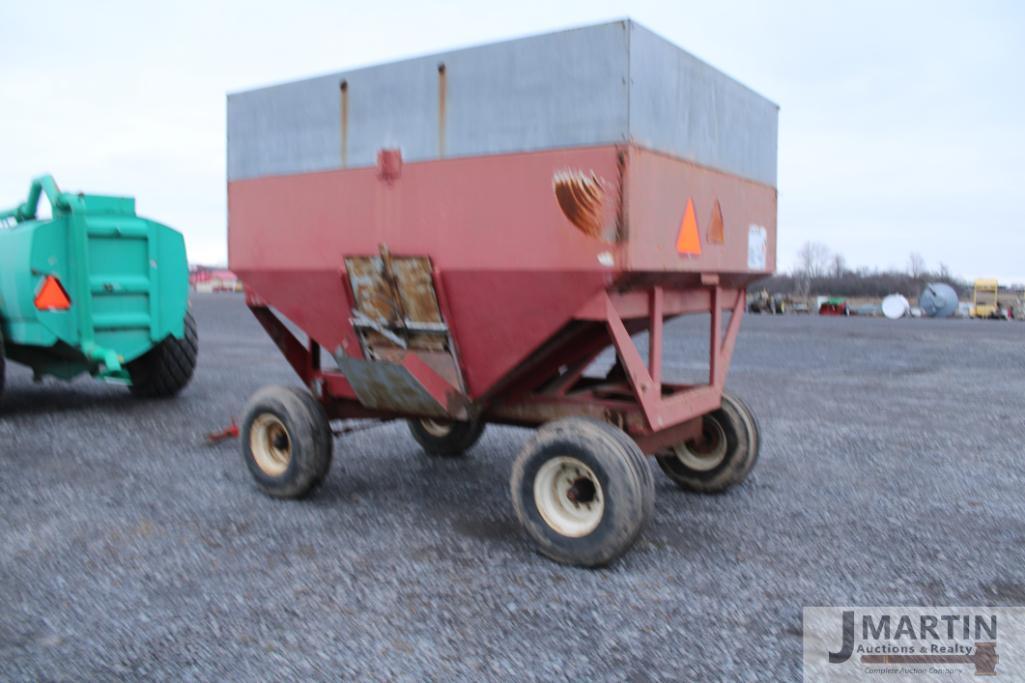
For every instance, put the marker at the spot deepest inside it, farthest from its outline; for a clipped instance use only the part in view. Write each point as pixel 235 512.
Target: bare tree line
pixel 819 270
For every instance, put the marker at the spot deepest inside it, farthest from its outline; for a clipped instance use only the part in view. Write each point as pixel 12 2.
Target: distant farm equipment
pixel 763 302
pixel 834 306
pixel 986 300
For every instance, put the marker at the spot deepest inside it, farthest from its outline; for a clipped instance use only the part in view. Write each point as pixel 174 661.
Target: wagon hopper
pixel 462 234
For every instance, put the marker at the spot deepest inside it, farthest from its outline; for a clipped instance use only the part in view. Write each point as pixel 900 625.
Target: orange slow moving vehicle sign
pixel 687 241
pixel 51 296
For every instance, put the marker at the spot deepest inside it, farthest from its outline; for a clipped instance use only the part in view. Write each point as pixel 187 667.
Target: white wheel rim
pixel 436 428
pixel 704 457
pixel 270 444
pixel 569 497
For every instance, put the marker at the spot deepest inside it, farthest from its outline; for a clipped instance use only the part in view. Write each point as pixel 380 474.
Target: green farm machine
pixel 94 289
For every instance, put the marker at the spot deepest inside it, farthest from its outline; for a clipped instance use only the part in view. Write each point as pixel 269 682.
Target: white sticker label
pixel 757 244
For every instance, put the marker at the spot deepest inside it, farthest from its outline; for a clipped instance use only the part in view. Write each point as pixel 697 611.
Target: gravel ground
pixel 891 473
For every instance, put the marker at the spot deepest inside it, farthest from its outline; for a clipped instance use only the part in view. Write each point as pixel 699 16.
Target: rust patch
pixel 621 230
pixel 716 232
pixel 581 198
pixel 398 292
pixel 442 96
pixel 413 276
pixel 372 292
pixel 343 88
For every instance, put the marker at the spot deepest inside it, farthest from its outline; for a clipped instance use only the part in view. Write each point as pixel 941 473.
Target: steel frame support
pixel 304 359
pixel 661 408
pixel 655 413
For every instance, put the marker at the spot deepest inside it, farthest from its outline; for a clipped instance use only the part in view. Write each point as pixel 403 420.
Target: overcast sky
pixel 902 124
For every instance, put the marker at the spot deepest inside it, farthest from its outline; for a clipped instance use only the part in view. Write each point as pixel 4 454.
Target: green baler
pixel 95 289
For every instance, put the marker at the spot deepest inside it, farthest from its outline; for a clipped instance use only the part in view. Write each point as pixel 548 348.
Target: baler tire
pixel 734 434
pixel 447 439
pixel 578 492
pixel 165 369
pixel 3 364
pixel 286 441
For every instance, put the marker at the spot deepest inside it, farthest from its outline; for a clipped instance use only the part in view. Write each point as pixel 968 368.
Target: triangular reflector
pixel 715 226
pixel 51 296
pixel 688 242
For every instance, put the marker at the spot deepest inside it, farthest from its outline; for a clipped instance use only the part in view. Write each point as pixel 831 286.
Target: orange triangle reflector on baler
pixel 688 242
pixel 51 296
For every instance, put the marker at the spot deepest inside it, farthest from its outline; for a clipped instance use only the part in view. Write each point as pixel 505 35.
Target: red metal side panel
pixel 499 317
pixel 494 212
pixel 658 188
pixel 513 266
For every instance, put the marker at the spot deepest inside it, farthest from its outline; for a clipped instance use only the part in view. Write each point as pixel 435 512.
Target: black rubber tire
pixel 613 460
pixel 166 368
pixel 638 460
pixel 460 438
pixel 754 429
pixel 308 438
pixel 647 479
pixel 3 364
pixel 742 443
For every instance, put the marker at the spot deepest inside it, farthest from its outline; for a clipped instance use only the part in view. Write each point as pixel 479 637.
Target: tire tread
pixel 168 367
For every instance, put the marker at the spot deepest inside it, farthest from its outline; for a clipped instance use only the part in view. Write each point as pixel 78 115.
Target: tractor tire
pixel 724 455
pixel 165 369
pixel 286 441
pixel 578 492
pixel 447 439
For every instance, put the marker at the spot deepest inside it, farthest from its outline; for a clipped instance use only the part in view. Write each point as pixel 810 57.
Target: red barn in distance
pixel 208 279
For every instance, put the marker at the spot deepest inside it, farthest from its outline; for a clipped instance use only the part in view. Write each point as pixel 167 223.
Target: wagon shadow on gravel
pixel 470 497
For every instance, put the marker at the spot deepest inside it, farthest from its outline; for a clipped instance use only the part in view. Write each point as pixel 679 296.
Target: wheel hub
pixel 582 491
pixel 270 444
pixel 436 428
pixel 569 496
pixel 707 451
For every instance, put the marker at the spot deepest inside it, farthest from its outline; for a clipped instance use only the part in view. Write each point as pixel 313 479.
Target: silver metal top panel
pixel 597 85
pixel 684 107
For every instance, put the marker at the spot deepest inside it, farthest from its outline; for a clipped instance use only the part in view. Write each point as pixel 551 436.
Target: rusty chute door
pixel 411 363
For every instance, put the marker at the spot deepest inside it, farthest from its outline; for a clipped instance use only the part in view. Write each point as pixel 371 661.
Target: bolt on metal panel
pixel 555 90
pixel 682 106
pixel 598 85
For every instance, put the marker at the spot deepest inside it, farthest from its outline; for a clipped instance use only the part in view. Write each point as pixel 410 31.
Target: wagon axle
pixel 582 491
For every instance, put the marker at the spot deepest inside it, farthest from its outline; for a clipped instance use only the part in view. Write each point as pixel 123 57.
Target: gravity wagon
pixel 463 234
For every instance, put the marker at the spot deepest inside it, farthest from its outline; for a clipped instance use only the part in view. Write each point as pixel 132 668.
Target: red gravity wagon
pixel 459 236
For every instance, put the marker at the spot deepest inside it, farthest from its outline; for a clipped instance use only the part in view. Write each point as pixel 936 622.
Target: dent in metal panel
pixel 557 90
pixel 686 108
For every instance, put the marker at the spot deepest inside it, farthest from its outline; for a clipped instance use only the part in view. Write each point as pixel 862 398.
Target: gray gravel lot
pixel 891 473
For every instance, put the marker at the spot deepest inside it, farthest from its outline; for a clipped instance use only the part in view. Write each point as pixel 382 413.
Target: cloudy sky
pixel 902 124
